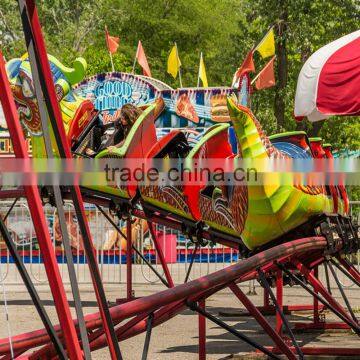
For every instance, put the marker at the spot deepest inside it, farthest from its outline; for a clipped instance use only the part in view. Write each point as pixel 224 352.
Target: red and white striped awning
pixel 329 81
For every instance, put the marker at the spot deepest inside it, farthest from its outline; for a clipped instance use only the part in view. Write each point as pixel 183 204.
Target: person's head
pixel 128 115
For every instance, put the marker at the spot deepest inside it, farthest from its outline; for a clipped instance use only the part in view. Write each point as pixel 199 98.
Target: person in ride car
pixel 128 115
pixel 122 126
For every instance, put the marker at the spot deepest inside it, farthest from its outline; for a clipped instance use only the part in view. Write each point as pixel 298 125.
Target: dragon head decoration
pixel 22 86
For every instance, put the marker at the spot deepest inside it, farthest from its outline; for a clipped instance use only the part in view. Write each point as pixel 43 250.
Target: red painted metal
pixel 160 255
pixel 39 221
pixel 275 336
pixel 350 268
pixel 319 287
pixel 331 351
pixel 216 280
pixel 279 298
pixel 12 194
pixel 129 291
pixel 321 325
pixel 63 146
pixel 202 332
pixel 316 317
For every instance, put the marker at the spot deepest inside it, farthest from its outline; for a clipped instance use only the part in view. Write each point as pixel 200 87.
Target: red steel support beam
pixel 240 270
pixel 202 332
pixel 318 287
pixel 160 254
pixel 39 221
pixel 64 150
pixel 350 268
pixel 316 317
pixel 279 298
pixel 129 291
pixel 262 321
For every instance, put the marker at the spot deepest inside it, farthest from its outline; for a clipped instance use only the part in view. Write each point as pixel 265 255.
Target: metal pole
pixel 198 79
pixel 348 275
pixel 231 330
pixel 149 327
pixel 323 301
pixel 342 292
pixel 129 291
pixel 265 283
pixel 10 209
pixel 202 332
pixel 315 299
pixel 191 263
pixel 32 291
pixel 136 55
pixel 254 311
pixel 160 254
pixel 177 54
pixel 138 252
pixel 57 194
pixel 55 116
pixel 38 217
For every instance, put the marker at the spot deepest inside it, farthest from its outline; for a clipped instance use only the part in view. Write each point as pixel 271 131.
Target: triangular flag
pixel 174 63
pixel 142 60
pixel 202 72
pixel 266 77
pixel 112 42
pixel 247 66
pixel 266 46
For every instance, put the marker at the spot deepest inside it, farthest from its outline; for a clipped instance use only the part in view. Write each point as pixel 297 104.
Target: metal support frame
pixel 316 315
pixel 327 278
pixel 129 289
pixel 191 262
pixel 137 251
pixel 148 336
pixel 202 331
pixel 342 292
pixel 231 330
pixel 10 209
pixel 160 254
pixel 318 286
pixel 354 273
pixel 32 291
pixel 56 189
pixel 39 221
pixel 253 310
pixel 53 109
pixel 265 283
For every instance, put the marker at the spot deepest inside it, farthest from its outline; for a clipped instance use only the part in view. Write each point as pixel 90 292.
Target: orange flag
pixel 112 42
pixel 142 60
pixel 247 65
pixel 266 77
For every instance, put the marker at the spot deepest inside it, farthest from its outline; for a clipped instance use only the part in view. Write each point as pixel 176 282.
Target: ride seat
pixel 140 138
pixel 213 145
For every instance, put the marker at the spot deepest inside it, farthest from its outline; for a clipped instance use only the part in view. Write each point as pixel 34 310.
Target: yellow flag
pixel 174 63
pixel 202 72
pixel 266 47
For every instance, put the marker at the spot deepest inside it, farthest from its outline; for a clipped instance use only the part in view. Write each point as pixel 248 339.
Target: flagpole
pixel 255 78
pixel 136 55
pixel 107 45
pixel 198 79
pixel 112 62
pixel 177 54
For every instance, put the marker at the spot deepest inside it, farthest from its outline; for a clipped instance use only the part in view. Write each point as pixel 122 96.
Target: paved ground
pixel 177 339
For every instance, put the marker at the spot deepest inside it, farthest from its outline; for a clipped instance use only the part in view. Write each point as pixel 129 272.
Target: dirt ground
pixel 177 338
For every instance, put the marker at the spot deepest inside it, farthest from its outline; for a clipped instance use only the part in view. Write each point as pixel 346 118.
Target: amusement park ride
pixel 284 232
